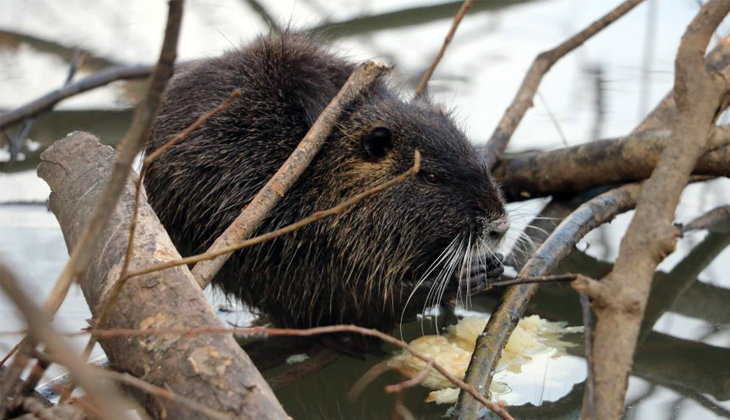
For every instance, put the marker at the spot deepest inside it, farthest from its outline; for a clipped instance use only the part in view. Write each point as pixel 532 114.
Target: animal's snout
pixel 496 229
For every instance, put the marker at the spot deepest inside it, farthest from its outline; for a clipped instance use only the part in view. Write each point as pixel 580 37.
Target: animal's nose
pixel 497 229
pixel 495 235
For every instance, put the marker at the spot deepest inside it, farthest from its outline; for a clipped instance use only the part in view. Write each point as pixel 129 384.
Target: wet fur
pixel 359 267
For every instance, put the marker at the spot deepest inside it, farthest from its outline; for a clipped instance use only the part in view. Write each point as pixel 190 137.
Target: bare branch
pixel 49 100
pixel 338 209
pixel 557 278
pixel 542 64
pixel 709 219
pixel 626 159
pixel 17 140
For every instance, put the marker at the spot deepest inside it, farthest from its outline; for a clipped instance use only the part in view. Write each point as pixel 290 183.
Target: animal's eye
pixel 430 178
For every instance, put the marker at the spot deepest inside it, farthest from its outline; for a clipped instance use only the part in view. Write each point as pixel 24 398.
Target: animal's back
pixel 285 83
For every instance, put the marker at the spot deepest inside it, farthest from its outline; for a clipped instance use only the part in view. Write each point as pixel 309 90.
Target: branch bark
pixel 619 300
pixel 627 159
pixel 254 214
pixel 212 370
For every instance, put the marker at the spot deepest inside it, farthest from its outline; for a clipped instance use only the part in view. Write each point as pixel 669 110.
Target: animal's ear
pixel 377 143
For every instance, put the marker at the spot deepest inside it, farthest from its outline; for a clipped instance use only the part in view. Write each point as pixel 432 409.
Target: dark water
pixel 682 366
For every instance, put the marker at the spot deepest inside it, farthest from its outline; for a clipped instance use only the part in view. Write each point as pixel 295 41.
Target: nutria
pixel 409 244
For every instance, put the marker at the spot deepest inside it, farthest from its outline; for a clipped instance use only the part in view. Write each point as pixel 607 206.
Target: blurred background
pixel 602 90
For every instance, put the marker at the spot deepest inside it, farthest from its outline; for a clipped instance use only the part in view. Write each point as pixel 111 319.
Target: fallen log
pixel 211 370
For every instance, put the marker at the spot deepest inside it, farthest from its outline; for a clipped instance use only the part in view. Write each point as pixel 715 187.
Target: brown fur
pixel 358 267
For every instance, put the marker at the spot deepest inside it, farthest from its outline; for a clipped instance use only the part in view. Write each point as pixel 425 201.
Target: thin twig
pixel 554 120
pixel 423 83
pixel 309 332
pixel 556 278
pixel 269 196
pixel 542 64
pixel 332 329
pixel 340 208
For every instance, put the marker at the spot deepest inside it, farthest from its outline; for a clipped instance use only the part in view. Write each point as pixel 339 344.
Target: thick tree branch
pixel 627 159
pixel 210 370
pixel 619 299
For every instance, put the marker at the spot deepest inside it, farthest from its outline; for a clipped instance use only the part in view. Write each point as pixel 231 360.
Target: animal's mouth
pixel 475 278
pixel 471 279
pixel 461 268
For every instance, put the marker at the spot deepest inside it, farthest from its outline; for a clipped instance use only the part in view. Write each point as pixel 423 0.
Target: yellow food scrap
pixel 533 335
